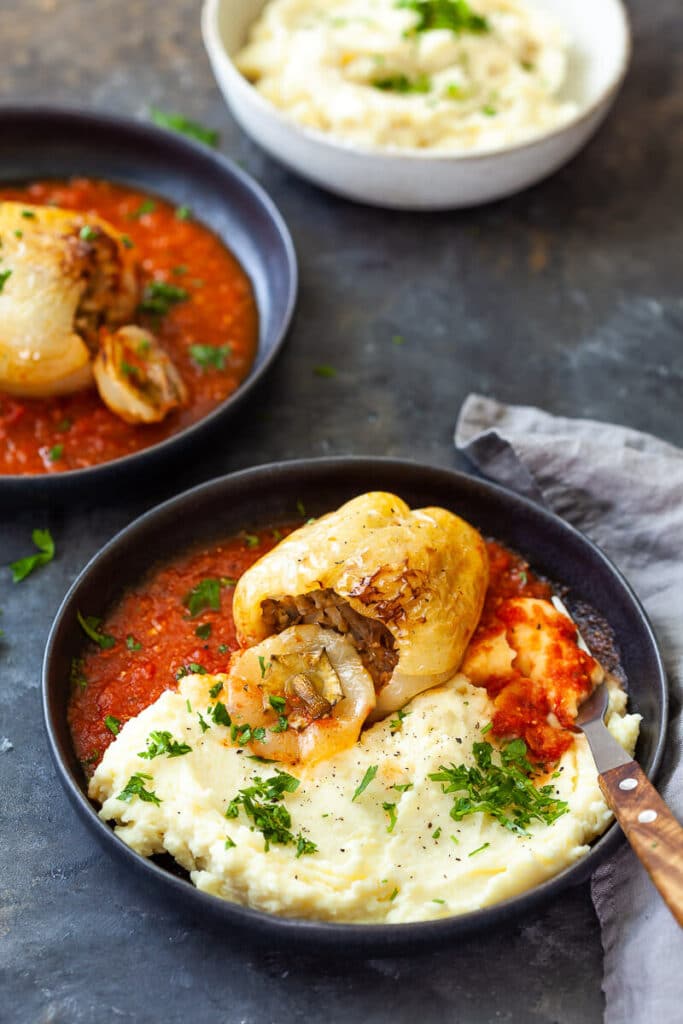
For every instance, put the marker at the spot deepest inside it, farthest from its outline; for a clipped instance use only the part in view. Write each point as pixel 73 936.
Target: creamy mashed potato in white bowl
pixel 407 103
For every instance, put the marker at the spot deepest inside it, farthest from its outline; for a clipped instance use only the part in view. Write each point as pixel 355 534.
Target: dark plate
pixel 267 495
pixel 57 143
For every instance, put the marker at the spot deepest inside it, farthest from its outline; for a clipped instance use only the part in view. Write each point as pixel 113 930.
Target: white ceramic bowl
pixel 418 179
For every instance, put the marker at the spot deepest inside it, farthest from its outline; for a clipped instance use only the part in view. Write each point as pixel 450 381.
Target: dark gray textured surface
pixel 565 296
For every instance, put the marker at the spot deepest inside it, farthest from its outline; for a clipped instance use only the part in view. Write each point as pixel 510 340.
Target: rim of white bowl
pixel 218 54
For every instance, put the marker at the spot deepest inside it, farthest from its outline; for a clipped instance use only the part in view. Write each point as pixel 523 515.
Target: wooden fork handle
pixel 650 828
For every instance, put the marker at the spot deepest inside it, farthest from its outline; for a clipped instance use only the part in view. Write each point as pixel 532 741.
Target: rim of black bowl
pixel 356 939
pixel 190 153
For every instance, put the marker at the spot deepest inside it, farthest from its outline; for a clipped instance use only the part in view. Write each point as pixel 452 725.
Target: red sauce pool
pixel 122 682
pixel 220 310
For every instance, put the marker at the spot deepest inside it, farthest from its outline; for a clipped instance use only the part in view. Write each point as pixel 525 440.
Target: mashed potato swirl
pixel 382 73
pixel 364 870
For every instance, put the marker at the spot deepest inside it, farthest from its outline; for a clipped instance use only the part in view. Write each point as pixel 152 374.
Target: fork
pixel 647 822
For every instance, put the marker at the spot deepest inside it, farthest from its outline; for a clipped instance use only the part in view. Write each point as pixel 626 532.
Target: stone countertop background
pixel 566 296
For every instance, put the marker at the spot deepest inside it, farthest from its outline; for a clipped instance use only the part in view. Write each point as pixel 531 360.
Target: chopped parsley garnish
pixel 228 581
pixel 64 425
pixel 210 357
pixel 136 787
pixel 87 233
pixel 159 743
pixel 46 552
pixel 304 846
pixel 184 213
pixel 220 714
pixel 402 787
pixel 505 791
pixel 56 452
pixel 251 540
pixel 489 110
pixel 184 126
pixel 202 722
pixel 237 731
pixel 282 724
pixel 262 803
pixel 180 269
pixel 203 631
pixel 128 369
pixel 127 242
pixel 393 895
pixel 264 666
pixel 229 843
pixel 193 669
pixel 391 811
pixel 436 834
pixel 146 206
pixel 277 703
pixel 215 689
pixel 28 214
pixel 301 508
pixel 76 675
pixel 438 901
pixel 132 644
pixel 401 83
pixel 159 297
pixel 396 723
pixel 206 594
pixel 523 578
pixel 324 370
pixel 484 846
pixel 486 728
pixel 4 276
pixel 90 625
pixel 18 234
pixel 113 724
pixel 365 781
pixel 223 648
pixel 455 15
pixel 245 733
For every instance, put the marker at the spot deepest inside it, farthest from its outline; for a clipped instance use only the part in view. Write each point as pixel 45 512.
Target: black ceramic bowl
pixel 267 495
pixel 55 143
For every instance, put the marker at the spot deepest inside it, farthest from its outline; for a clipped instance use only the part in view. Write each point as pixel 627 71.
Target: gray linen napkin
pixel 624 490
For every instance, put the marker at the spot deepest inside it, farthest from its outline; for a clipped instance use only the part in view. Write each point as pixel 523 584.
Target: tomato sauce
pixel 76 431
pixel 120 681
pixel 522 706
pixel 155 636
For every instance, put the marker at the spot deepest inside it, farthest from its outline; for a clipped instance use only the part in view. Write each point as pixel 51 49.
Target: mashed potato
pixel 383 73
pixel 366 869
